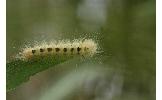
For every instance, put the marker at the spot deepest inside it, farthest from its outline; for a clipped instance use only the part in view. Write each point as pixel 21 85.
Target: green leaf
pixel 19 71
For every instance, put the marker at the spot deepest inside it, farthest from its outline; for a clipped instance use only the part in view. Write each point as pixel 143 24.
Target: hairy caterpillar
pixel 86 47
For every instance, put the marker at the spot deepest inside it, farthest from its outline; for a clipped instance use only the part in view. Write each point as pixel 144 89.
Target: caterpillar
pixel 86 47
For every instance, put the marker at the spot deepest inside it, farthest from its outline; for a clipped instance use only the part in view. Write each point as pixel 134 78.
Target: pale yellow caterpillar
pixel 86 47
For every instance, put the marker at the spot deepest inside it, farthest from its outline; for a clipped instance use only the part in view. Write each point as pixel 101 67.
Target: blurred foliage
pixel 19 71
pixel 127 36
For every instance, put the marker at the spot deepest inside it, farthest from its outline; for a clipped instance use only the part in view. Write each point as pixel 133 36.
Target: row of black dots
pixel 58 49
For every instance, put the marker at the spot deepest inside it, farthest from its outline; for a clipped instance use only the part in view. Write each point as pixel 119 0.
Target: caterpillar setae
pixel 86 47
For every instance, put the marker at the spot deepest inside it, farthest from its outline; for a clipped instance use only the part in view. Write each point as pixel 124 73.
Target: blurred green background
pixel 124 29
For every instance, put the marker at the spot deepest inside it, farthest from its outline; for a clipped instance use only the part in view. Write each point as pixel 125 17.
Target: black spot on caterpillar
pixel 72 49
pixel 57 49
pixel 41 50
pixel 78 49
pixel 65 49
pixel 33 51
pixel 49 49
